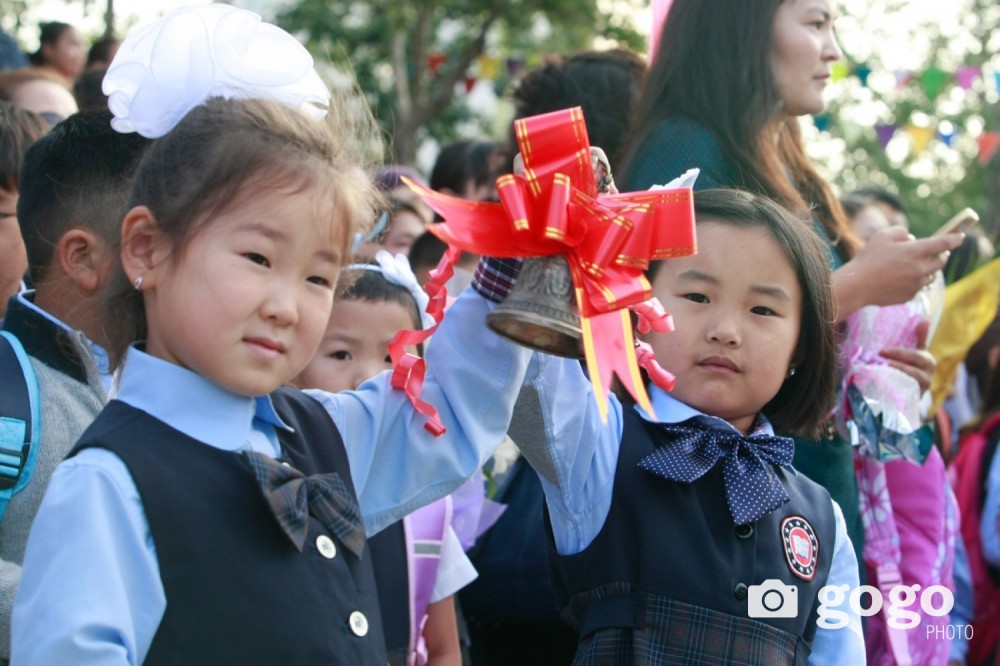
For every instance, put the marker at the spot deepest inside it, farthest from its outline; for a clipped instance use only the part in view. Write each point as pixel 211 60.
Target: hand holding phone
pixel 962 222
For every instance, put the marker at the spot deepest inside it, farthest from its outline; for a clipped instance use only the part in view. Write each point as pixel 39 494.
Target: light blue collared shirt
pixel 90 591
pixel 577 471
pixel 962 613
pixel 99 353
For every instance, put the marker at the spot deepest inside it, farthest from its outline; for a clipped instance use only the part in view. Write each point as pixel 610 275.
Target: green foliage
pixel 11 12
pixel 389 47
pixel 942 179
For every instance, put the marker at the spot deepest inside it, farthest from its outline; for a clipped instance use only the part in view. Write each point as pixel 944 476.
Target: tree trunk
pixel 109 20
pixel 404 141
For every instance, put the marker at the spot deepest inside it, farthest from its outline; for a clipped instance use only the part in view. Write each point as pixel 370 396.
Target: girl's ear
pixel 144 246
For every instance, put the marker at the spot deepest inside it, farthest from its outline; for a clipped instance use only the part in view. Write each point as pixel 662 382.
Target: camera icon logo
pixel 772 598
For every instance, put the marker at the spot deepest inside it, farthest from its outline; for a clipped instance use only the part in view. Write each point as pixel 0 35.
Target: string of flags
pixel 933 81
pixel 486 68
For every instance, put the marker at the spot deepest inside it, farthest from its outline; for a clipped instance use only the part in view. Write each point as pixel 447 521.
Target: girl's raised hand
pixel 891 268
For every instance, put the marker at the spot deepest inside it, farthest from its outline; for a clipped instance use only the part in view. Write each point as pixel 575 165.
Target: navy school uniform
pixel 668 575
pixel 653 570
pixel 214 531
pixel 93 587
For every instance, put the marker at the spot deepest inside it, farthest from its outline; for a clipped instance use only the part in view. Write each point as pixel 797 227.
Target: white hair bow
pixel 166 69
pixel 396 269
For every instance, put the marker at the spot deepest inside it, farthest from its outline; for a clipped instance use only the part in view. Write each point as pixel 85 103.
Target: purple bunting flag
pixel 885 133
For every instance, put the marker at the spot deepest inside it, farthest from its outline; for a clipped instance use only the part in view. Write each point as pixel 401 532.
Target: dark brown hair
pixel 226 150
pixel 605 84
pixel 713 67
pixel 364 284
pixel 77 175
pixel 18 130
pixel 805 399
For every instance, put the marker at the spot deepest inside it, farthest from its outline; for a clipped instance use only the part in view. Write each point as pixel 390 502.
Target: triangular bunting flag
pixel 885 134
pixel 839 70
pixel 434 62
pixel 921 136
pixel 489 67
pixel 514 66
pixel 822 122
pixel 933 80
pixel 989 142
pixel 966 76
pixel 862 72
pixel 946 136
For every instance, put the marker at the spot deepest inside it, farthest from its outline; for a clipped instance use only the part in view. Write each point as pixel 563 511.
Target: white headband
pixel 397 271
pixel 165 69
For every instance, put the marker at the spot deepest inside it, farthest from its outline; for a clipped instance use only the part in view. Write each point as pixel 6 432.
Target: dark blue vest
pixel 668 574
pixel 237 590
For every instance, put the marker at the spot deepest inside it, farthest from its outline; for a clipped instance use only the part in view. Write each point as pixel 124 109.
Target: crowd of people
pixel 251 410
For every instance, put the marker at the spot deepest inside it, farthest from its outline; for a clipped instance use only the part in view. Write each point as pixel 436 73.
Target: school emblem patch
pixel 801 546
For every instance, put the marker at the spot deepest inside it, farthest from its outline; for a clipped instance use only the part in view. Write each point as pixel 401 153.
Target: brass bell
pixel 540 312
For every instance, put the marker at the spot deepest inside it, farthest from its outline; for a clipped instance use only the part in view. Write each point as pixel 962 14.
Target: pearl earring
pixel 791 371
pixel 138 283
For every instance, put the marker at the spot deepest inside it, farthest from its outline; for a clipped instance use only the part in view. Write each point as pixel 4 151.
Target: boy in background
pixel 73 188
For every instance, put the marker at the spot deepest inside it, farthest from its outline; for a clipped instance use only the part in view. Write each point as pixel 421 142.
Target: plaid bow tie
pixel 753 490
pixel 293 496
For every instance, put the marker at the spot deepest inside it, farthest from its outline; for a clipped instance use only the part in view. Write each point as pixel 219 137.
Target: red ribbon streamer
pixel 408 370
pixel 608 240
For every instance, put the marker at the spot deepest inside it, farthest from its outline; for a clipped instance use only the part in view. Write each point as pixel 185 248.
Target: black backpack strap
pixel 20 421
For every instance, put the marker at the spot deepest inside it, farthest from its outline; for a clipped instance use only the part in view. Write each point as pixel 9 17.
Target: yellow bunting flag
pixel 920 136
pixel 489 67
pixel 839 70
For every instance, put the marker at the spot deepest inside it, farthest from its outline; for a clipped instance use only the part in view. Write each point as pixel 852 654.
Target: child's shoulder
pixel 803 485
pixel 118 421
pixel 295 405
pixel 44 340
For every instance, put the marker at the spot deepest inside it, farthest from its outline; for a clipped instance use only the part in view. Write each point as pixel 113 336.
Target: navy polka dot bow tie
pixel 293 496
pixel 753 490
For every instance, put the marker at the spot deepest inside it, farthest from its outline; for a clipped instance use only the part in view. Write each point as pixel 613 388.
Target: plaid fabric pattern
pixel 494 278
pixel 680 634
pixel 293 496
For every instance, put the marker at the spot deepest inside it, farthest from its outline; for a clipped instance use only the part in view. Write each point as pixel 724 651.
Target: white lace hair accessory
pixel 397 271
pixel 165 69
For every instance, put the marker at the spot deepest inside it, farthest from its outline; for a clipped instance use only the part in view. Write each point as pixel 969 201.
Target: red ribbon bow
pixel 608 239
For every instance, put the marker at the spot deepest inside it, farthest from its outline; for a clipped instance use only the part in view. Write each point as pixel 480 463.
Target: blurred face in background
pixel 869 221
pixel 404 228
pixel 66 54
pixel 13 258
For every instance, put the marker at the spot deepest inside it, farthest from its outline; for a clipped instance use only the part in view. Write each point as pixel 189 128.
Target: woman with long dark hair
pixel 724 93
